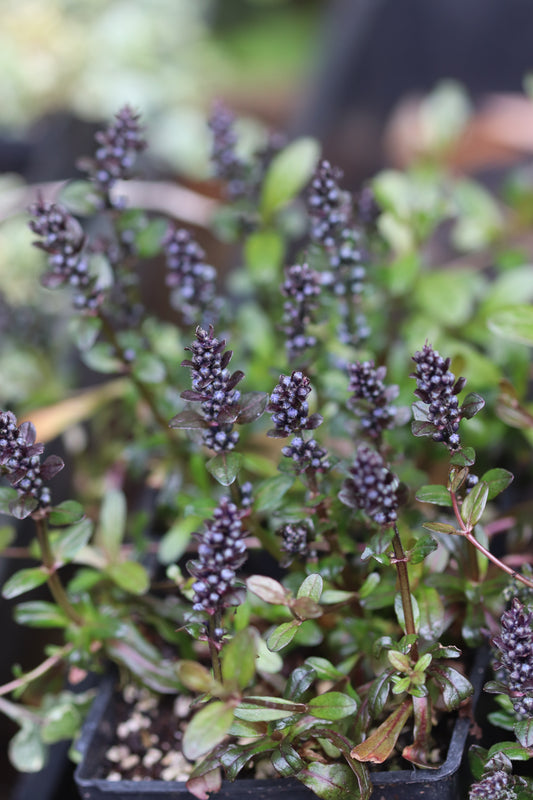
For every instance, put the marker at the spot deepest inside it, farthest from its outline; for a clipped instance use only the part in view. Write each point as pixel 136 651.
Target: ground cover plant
pixel 325 507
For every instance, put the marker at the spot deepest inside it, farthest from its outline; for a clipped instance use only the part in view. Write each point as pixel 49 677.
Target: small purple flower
pixel 227 164
pixel 118 146
pixel 20 461
pixel 514 653
pixel 329 207
pixel 301 287
pixel 437 387
pixel 191 279
pixel 289 407
pixel 214 387
pixel 372 487
pixel 296 539
pixel 371 398
pixel 221 551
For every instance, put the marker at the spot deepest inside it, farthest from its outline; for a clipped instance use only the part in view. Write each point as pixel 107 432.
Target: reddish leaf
pixel 187 420
pixel 51 467
pixel 380 744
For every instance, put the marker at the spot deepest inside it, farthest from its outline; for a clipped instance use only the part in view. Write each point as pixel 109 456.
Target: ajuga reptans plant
pixel 315 605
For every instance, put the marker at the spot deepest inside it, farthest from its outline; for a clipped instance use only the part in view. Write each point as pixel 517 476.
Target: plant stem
pixel 467 532
pixel 405 589
pixel 473 566
pixel 28 677
pixel 54 582
pixel 214 622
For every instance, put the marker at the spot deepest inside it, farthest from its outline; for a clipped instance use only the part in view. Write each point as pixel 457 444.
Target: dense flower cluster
pixel 515 656
pixel 214 387
pixel 438 389
pixel 188 275
pixel 372 487
pixel 301 287
pixel 497 785
pixel 371 398
pixel 221 551
pixel 63 239
pixel 20 460
pixel 296 538
pixel 329 207
pixel 290 414
pixel 228 165
pixel 118 146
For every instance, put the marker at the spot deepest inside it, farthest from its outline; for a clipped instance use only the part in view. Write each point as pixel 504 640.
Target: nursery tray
pixel 99 730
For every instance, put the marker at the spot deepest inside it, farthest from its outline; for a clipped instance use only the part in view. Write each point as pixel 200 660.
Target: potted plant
pixel 329 576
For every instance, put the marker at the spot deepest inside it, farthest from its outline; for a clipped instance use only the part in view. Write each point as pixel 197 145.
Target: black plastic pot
pixel 445 783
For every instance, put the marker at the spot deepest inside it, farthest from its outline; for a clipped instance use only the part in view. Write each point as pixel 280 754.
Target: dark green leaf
pixel 206 729
pixel 286 761
pixel 235 757
pixel 299 682
pixel 378 693
pixel 454 687
pixel 513 750
pixel 288 173
pixel 331 781
pixel 379 543
pixel 457 477
pixel 421 428
pixel 474 503
pixel 23 581
pixel 66 513
pixel 524 732
pixel 423 547
pixel 225 467
pixel 472 404
pixel 435 494
pixel 477 757
pixel 40 614
pixel 251 406
pixel 498 480
pixel 399 609
pixel 332 706
pixel 271 491
pixel 466 457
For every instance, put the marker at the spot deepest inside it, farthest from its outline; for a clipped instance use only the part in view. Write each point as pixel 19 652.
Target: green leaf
pixel 423 547
pixel 281 708
pixel 440 527
pixel 332 706
pixel 454 687
pixel 331 781
pixel 264 251
pixel 238 659
pixel 380 744
pixel 26 750
pixel 7 497
pixel 23 581
pixel 225 467
pixel 513 750
pixel 330 596
pixel 85 331
pixel 471 405
pixel 514 323
pixel 283 635
pixel 149 369
pixel 206 729
pixel 66 513
pixel 101 358
pixel 40 614
pixel 175 541
pixel 79 198
pixel 271 492
pixel 62 721
pixel 71 540
pixel 399 661
pixel 324 669
pixel 267 589
pixel 398 608
pixel 148 240
pixel 370 583
pixel 474 503
pixel 524 732
pixel 311 587
pixel 286 760
pixel 195 676
pixel 130 576
pixel 289 171
pixel 498 480
pixel 466 457
pixel 435 493
pixel 24 506
pixel 7 536
pixel 432 613
pixel 112 523
pixel 477 757
pixel 378 693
